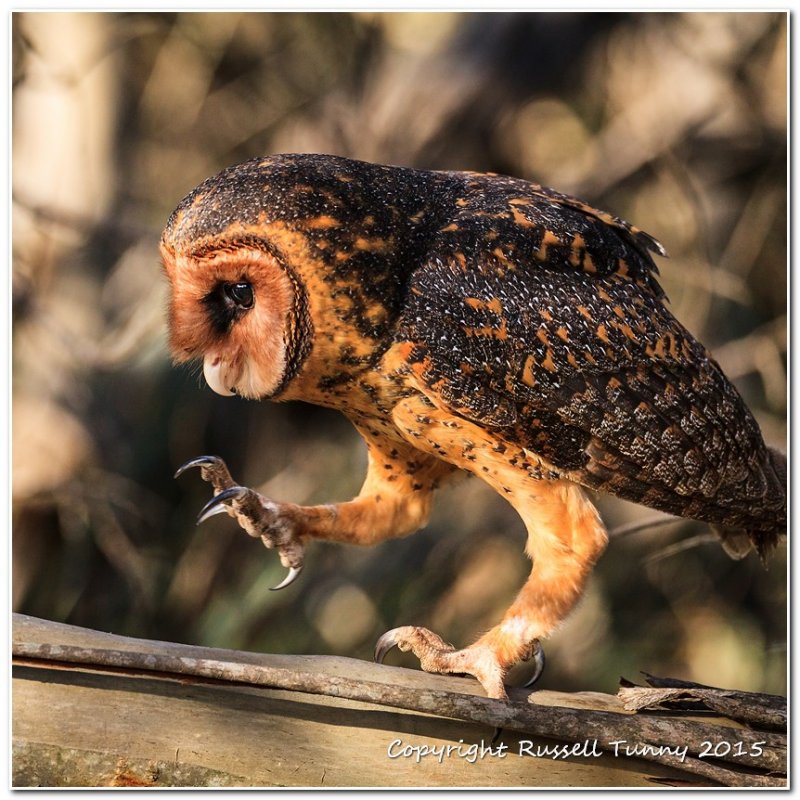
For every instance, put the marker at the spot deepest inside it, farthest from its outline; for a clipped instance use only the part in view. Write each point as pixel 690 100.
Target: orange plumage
pixel 461 322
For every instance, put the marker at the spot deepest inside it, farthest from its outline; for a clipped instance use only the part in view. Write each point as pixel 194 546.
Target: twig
pixel 641 525
pixel 84 223
pixel 739 356
pixel 719 774
pixel 679 547
pixel 728 704
pixel 759 710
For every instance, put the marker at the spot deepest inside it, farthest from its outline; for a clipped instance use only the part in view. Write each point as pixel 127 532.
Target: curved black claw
pixel 200 461
pixel 539 664
pixel 216 504
pixel 289 579
pixel 385 644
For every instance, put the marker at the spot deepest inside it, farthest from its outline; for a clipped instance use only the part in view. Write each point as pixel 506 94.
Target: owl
pixel 462 322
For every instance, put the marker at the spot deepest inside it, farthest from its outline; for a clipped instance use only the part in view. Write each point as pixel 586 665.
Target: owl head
pixel 231 305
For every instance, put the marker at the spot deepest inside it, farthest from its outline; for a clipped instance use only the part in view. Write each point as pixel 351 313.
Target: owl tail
pixel 738 542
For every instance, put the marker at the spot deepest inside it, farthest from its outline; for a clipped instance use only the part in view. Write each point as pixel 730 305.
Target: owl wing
pixel 553 333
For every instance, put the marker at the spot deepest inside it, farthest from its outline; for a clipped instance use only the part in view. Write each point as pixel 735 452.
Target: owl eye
pixel 240 294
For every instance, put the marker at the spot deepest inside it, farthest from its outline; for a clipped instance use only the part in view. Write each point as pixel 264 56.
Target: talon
pixel 539 664
pixel 254 513
pixel 289 579
pixel 220 509
pixel 389 640
pixel 384 645
pixel 215 504
pixel 200 461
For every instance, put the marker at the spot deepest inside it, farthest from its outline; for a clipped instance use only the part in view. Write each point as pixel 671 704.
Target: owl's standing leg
pixel 565 538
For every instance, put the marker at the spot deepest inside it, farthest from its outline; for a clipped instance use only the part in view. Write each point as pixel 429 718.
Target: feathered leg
pixel 565 538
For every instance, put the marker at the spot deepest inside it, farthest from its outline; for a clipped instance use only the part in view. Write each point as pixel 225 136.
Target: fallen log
pixel 94 709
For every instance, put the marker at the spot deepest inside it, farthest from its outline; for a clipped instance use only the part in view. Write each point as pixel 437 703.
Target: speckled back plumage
pixel 542 316
pixel 525 310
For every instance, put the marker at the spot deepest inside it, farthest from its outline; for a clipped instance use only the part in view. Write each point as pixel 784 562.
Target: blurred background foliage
pixel 675 121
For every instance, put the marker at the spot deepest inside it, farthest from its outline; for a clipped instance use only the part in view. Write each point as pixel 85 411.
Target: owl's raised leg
pixel 565 538
pixel 395 500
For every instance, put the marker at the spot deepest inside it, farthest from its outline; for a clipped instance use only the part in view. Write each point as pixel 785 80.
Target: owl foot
pixel 276 524
pixel 480 659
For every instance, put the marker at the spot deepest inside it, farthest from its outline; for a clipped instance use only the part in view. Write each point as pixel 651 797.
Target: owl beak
pixel 216 372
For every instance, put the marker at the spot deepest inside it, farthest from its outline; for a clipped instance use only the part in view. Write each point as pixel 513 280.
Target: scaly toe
pixel 435 655
pixel 423 643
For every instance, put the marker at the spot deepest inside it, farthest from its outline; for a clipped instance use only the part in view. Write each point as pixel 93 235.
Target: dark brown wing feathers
pixel 540 315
